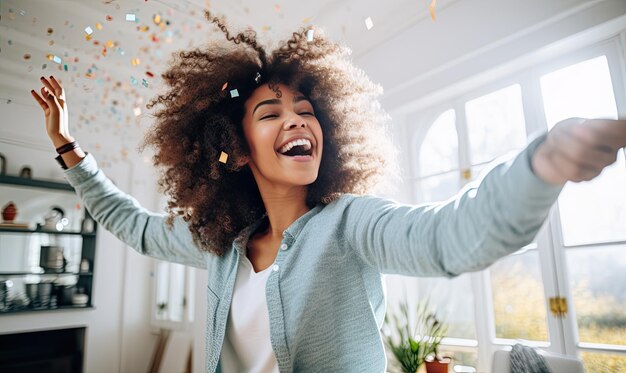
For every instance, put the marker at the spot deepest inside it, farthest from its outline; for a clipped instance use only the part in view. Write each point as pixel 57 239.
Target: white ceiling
pixel 104 87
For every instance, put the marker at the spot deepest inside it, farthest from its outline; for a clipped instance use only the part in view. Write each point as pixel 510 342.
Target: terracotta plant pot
pixel 8 212
pixel 438 366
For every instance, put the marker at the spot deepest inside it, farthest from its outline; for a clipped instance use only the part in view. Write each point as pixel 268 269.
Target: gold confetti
pixel 368 23
pixel 433 3
pixel 143 28
pixel 135 61
pixel 109 44
pixel 157 19
pixel 98 26
pixel 306 20
pixel 223 157
pixel 88 37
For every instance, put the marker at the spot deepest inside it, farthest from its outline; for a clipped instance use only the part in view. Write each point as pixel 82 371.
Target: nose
pixel 294 122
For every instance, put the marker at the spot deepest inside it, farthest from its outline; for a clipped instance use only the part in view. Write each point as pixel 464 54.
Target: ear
pixel 242 161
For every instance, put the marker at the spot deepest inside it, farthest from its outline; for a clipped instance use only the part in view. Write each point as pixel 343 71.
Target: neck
pixel 283 208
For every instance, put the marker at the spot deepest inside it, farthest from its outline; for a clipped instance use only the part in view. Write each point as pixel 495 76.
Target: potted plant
pixel 412 343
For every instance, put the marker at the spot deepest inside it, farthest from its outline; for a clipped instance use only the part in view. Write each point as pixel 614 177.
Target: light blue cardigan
pixel 325 294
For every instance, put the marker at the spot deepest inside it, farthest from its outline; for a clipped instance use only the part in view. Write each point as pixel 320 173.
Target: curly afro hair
pixel 197 119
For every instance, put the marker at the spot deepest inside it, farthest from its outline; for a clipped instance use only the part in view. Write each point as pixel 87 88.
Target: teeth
pixel 291 144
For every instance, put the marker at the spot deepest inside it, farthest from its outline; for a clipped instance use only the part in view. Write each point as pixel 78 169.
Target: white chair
pixel 557 363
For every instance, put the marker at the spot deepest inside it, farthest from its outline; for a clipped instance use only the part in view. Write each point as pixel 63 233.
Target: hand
pixel 55 111
pixel 578 149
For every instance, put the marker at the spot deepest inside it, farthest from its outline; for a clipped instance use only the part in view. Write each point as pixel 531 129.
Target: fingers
pixel 580 150
pixel 57 87
pixel 40 101
pixel 50 99
pixel 604 133
pixel 47 84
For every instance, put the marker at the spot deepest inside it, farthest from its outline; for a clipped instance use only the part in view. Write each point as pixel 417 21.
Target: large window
pixel 580 253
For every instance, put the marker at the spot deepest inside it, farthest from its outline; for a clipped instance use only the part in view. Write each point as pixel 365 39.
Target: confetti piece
pixel 306 20
pixel 257 78
pixel 143 28
pixel 234 93
pixel 88 37
pixel 150 74
pixel 156 19
pixel 57 59
pixel 277 7
pixel 135 61
pixel 133 80
pixel 43 67
pixel 88 30
pixel 50 42
pixel 223 157
pixel 433 3
pixel 27 56
pixel 109 44
pixel 65 67
pixel 368 23
pixel 98 26
pixel 266 28
pixel 144 82
pixel 109 18
pixel 130 17
pixel 22 12
pixel 10 42
pixel 50 31
pixel 309 35
pixel 224 86
pixel 137 111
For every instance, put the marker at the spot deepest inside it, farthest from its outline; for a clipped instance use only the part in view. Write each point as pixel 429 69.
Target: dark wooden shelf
pixel 24 230
pixel 59 308
pixel 35 183
pixel 5 274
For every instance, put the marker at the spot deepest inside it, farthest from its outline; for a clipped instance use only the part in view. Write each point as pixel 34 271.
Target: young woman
pixel 267 159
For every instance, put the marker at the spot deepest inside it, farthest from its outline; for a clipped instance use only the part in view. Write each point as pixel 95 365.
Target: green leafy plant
pixel 412 342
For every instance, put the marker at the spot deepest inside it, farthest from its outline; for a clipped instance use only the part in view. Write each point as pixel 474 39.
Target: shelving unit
pixel 18 300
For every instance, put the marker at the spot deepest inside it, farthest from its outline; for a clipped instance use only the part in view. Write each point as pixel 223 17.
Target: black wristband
pixel 61 162
pixel 67 147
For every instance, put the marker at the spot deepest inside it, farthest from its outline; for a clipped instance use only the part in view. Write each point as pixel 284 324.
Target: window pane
pixel 439 151
pixel 598 282
pixel 581 90
pixel 595 211
pixel 437 188
pixel 592 211
pixel 518 297
pixel 452 300
pixel 603 363
pixel 462 361
pixel 170 291
pixel 496 124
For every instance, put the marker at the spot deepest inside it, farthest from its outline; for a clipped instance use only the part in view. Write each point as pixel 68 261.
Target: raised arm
pixel 116 211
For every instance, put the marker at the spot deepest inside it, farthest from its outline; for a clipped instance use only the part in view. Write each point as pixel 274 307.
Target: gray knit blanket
pixel 525 359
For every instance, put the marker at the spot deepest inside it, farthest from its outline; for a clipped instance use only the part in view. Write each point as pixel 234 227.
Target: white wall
pixel 118 333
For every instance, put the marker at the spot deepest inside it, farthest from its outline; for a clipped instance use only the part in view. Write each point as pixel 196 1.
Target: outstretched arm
pixel 486 220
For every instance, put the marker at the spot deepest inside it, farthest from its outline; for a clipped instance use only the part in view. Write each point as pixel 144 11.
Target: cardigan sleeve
pixel 123 216
pixel 486 220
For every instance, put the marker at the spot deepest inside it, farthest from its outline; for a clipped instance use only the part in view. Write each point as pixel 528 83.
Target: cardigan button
pixel 283 247
pixel 275 268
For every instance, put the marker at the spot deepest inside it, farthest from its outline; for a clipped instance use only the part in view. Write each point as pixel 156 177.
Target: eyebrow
pixel 276 101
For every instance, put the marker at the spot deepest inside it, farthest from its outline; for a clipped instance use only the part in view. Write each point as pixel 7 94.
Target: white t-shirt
pixel 247 346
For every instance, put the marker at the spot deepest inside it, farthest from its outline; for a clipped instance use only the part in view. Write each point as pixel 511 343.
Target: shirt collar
pixel 292 231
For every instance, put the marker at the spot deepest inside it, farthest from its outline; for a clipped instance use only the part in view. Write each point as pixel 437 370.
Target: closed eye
pixel 270 116
pixel 307 113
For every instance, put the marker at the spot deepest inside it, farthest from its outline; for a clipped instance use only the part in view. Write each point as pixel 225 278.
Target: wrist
pixel 59 141
pixel 543 168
